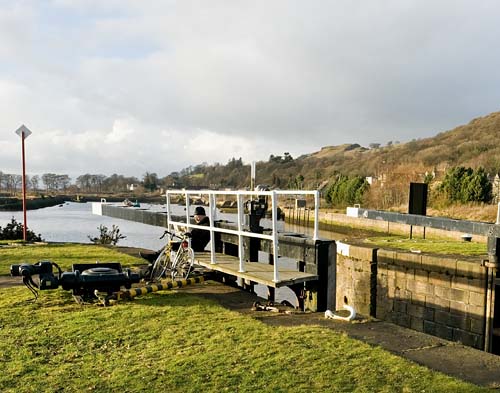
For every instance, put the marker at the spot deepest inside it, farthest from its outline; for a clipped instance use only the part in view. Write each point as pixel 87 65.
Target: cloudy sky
pixel 128 86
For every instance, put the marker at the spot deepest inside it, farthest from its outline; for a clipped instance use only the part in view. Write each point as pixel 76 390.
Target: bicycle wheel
pixel 162 264
pixel 183 263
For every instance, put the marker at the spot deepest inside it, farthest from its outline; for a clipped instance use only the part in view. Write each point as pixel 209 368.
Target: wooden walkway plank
pixel 261 273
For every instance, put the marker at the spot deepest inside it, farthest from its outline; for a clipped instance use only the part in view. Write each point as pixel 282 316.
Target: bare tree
pixel 34 180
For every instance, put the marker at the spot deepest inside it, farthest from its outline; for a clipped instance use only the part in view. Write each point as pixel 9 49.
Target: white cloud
pixel 129 87
pixel 122 130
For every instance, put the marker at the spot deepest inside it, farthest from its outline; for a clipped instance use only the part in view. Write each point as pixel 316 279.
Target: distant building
pixel 496 189
pixel 370 180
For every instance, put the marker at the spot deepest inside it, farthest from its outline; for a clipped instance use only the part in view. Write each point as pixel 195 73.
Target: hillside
pixel 474 144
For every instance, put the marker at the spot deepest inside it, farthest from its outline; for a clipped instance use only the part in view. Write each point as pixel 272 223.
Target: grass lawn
pixel 432 244
pixel 178 342
pixel 436 246
pixel 64 255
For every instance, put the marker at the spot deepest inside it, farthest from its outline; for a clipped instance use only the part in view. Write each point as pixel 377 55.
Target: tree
pixel 453 181
pixel 299 181
pixel 83 182
pixel 150 181
pixel 347 190
pixel 478 187
pixel 464 185
pixel 11 182
pixel 35 180
pixel 234 163
pixel 90 183
pixel 49 181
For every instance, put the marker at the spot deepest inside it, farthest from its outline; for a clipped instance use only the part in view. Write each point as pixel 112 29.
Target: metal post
pixel 316 215
pixel 186 195
pixel 252 176
pixel 211 207
pixel 491 264
pixel 25 238
pixel 274 200
pixel 23 132
pixel 168 211
pixel 240 237
pixel 490 306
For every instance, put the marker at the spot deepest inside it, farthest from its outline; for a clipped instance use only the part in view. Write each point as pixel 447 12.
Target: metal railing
pixel 240 232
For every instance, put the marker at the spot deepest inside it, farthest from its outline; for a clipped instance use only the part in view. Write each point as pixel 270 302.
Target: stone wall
pixel 356 278
pixel 439 295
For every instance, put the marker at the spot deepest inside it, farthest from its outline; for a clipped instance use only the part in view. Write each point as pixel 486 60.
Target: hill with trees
pixel 459 165
pixel 394 165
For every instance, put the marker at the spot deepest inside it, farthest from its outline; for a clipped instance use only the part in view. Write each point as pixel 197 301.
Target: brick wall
pixel 438 295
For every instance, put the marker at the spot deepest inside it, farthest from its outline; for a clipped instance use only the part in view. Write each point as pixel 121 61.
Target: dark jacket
pixel 200 237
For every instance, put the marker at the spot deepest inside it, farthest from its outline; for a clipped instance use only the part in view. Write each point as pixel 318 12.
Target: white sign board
pixel 23 130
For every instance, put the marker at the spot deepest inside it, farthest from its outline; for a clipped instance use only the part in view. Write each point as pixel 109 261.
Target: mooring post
pixel 492 265
pixel 271 294
pixel 320 295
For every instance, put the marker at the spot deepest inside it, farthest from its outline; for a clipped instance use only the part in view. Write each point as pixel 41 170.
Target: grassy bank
pixel 181 343
pixel 178 342
pixel 64 255
pixel 434 246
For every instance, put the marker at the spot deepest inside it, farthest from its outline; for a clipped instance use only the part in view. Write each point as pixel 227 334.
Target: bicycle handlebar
pixel 172 235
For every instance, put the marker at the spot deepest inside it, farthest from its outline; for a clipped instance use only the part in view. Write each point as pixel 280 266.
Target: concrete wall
pixel 328 219
pixel 439 295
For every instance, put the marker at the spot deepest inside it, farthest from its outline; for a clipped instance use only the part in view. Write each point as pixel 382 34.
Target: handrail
pixel 240 232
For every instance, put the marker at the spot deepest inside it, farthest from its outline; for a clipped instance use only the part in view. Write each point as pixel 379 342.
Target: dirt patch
pixel 7 281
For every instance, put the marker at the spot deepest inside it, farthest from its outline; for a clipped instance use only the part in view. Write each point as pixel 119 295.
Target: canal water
pixel 74 222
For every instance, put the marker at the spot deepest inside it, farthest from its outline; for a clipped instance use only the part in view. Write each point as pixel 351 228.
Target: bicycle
pixel 175 260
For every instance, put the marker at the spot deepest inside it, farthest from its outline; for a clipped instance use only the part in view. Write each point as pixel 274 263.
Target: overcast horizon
pixel 127 87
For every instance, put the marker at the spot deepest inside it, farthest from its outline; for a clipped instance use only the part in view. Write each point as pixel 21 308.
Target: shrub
pixel 14 231
pixel 107 236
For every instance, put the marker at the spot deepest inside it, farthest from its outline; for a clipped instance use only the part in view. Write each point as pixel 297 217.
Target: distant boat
pixel 128 203
pixel 79 200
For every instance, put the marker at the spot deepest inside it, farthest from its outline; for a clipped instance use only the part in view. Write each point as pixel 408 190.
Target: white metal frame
pixel 240 232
